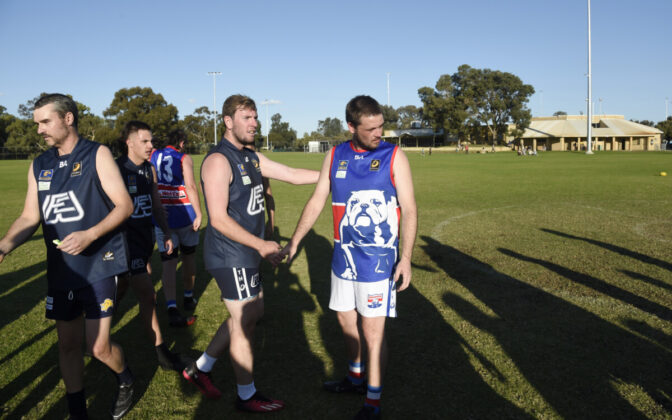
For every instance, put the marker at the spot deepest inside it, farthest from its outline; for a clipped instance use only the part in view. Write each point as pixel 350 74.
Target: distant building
pixel 318 146
pixel 417 137
pixel 568 132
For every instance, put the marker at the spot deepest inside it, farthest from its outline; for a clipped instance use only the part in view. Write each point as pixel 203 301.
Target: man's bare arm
pixel 115 189
pixel 403 181
pixel 192 190
pixel 312 209
pixel 296 176
pixel 27 223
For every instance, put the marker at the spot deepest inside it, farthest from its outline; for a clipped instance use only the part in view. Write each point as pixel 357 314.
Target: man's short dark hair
pixel 62 105
pixel 131 127
pixel 235 102
pixel 361 106
pixel 175 137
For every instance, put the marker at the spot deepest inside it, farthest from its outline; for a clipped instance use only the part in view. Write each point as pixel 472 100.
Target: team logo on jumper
pixel 142 206
pixel 368 231
pixel 76 169
pixel 242 169
pixel 254 282
pixel 375 301
pixel 256 203
pixel 137 263
pixel 46 175
pixel 108 256
pixel 256 165
pixel 62 208
pixel 375 165
pixel 342 169
pixel 62 164
pixel 132 184
pixel 107 304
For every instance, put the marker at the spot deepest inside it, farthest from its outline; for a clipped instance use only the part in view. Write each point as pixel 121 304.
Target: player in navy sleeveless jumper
pixel 140 178
pixel 371 187
pixel 231 177
pixel 76 192
pixel 179 196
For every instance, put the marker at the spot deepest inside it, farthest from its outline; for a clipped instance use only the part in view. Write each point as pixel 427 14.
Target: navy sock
pixel 125 377
pixel 77 405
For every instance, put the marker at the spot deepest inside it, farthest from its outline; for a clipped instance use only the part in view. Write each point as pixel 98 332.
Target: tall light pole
pixel 590 94
pixel 268 102
pixel 388 89
pixel 214 75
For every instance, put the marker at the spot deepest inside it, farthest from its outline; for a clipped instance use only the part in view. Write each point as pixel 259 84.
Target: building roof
pixel 575 126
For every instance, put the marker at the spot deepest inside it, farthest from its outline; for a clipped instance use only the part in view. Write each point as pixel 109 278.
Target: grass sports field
pixel 542 288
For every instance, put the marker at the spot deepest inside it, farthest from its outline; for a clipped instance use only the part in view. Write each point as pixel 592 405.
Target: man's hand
pixel 196 224
pixel 289 250
pixel 168 244
pixel 404 271
pixel 270 250
pixel 76 242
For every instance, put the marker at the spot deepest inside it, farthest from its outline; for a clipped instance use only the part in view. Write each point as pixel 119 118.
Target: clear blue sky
pixel 313 56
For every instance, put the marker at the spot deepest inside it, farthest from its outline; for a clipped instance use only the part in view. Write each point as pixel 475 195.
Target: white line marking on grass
pixel 439 227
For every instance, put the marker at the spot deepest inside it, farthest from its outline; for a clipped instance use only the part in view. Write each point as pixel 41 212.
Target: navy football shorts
pixel 96 301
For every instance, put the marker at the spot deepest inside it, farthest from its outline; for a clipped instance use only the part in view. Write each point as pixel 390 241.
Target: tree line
pixel 476 105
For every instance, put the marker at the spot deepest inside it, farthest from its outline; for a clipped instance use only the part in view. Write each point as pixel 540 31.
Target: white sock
pixel 245 392
pixel 205 362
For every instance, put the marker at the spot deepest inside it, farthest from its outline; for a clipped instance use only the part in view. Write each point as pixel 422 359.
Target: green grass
pixel 542 288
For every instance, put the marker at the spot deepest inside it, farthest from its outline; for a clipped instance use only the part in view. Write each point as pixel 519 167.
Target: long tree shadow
pixel 647 279
pixel 571 357
pixel 24 298
pixel 429 359
pixel 615 248
pixel 598 285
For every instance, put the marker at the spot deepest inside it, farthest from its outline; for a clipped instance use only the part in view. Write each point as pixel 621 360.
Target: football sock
pixel 356 372
pixel 171 304
pixel 205 362
pixel 373 397
pixel 77 404
pixel 245 392
pixel 188 293
pixel 125 377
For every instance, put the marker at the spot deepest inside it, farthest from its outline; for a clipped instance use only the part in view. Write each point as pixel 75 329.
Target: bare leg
pixel 351 335
pixel 168 278
pixel 374 335
pixel 98 343
pixel 189 271
pixel 244 317
pixel 70 356
pixel 144 290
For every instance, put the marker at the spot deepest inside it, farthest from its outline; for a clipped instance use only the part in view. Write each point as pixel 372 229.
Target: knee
pixel 100 350
pixel 69 347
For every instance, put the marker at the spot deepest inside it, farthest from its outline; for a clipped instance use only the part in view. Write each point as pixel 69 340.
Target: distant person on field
pixel 179 196
pixel 76 192
pixel 370 184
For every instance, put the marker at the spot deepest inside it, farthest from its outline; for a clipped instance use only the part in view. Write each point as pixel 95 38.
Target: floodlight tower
pixel 268 102
pixel 214 75
pixel 589 124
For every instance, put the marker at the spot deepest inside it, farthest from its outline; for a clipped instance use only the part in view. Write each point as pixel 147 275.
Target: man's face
pixel 244 125
pixel 139 145
pixel 369 132
pixel 53 129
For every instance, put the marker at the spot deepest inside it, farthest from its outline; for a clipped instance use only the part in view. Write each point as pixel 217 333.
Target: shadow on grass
pixel 25 297
pixel 598 285
pixel 647 279
pixel 571 357
pixel 615 248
